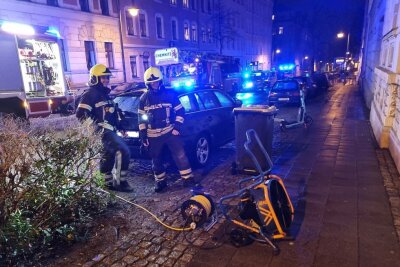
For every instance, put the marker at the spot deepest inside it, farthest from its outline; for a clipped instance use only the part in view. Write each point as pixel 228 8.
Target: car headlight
pixel 131 134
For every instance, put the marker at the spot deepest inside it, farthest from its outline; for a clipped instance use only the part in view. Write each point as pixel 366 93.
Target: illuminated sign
pixel 166 56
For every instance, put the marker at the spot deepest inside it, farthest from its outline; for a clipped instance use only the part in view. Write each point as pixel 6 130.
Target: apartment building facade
pixel 384 84
pixel 88 32
pixel 103 31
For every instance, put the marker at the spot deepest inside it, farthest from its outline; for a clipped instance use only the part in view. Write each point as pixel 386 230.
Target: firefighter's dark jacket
pixel 160 111
pixel 99 107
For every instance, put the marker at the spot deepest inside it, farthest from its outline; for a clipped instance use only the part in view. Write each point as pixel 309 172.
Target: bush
pixel 48 181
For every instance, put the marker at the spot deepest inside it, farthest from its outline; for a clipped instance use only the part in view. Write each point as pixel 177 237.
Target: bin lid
pixel 257 109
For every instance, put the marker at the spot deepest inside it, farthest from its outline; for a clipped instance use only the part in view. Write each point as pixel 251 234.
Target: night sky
pixel 326 19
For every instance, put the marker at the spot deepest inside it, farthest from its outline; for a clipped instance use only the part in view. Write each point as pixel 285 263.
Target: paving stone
pixel 145 244
pixel 89 264
pixel 152 257
pixel 175 254
pixel 158 240
pixel 161 260
pixel 98 257
pixel 141 263
pixel 129 259
pixel 164 252
pixel 142 253
pixel 180 247
pixel 169 262
pixel 186 257
pixel 119 264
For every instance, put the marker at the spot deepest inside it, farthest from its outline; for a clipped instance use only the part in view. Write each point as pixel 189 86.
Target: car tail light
pixel 296 93
pixel 272 94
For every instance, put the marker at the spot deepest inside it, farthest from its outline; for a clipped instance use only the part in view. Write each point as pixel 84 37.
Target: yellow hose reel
pixel 197 210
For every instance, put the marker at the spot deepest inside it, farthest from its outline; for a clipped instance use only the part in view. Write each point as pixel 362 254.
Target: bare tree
pixel 223 27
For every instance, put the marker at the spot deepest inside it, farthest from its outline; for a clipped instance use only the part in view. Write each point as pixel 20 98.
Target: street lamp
pixel 341 35
pixel 133 12
pixel 274 53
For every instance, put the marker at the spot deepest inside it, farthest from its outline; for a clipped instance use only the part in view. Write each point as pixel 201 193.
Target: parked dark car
pixel 286 91
pixel 307 84
pixel 209 121
pixel 322 81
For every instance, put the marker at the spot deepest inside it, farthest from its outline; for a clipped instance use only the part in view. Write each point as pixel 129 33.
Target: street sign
pixel 166 56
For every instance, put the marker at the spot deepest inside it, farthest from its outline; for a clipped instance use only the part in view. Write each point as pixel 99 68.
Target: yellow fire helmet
pixel 152 74
pixel 96 71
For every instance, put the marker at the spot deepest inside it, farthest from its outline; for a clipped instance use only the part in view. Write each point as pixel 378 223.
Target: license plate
pixel 284 99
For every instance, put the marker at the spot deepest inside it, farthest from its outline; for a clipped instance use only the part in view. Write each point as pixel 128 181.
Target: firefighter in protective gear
pixel 161 116
pixel 96 105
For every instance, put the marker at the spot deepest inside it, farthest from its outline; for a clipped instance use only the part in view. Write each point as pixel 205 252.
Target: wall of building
pixel 75 27
pixel 371 48
pixel 385 106
pixel 251 23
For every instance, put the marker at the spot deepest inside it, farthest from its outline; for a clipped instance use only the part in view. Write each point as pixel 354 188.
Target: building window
pixel 185 3
pixel 193 4
pixel 172 2
pixel 90 54
pixel 132 60
pixel 146 63
pixel 159 27
pixel 391 54
pixel 104 7
pixel 280 31
pixel 143 24
pixel 203 6
pixel 186 32
pixel 209 6
pixel 174 29
pixel 109 54
pixel 194 32
pixel 84 5
pixel 52 2
pixel 63 54
pixel 209 35
pixel 203 35
pixel 130 24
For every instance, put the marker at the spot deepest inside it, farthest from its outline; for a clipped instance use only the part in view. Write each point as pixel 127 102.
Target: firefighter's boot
pixel 124 186
pixel 160 186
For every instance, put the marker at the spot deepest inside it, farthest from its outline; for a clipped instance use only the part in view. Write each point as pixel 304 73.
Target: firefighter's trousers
pixel 175 145
pixel 111 144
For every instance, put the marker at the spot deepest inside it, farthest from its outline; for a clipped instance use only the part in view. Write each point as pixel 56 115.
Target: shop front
pixel 32 70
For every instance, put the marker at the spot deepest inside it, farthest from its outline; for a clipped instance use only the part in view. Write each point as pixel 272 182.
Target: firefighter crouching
pixel 96 105
pixel 161 116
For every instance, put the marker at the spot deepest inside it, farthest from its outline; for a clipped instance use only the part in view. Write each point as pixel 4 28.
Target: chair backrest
pixel 254 147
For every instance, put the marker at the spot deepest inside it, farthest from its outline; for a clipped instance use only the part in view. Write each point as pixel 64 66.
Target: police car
pixel 209 121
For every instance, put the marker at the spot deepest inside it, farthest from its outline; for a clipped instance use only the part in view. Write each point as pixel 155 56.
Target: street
pixel 333 176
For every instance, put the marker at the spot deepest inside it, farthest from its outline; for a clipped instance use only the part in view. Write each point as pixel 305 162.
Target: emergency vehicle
pixel 31 72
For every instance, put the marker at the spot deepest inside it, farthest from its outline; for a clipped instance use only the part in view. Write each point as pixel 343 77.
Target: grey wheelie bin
pixel 261 119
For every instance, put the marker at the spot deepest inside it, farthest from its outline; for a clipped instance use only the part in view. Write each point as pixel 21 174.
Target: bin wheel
pixel 234 168
pixel 283 126
pixel 276 251
pixel 308 120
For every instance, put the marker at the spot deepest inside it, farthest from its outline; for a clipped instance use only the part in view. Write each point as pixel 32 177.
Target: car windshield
pixel 292 85
pixel 128 103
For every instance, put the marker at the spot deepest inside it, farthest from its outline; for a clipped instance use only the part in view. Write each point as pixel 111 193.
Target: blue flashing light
pixel 243 96
pixel 54 32
pixel 248 85
pixel 286 67
pixel 188 83
pixel 246 75
pixel 176 84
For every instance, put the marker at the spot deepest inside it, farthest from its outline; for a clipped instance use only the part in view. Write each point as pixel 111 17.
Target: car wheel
pixel 202 151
